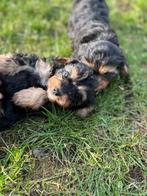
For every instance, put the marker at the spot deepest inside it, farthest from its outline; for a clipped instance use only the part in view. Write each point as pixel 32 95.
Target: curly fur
pixel 93 40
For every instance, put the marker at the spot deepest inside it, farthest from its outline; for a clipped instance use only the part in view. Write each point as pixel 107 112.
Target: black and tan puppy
pixel 74 87
pixel 94 42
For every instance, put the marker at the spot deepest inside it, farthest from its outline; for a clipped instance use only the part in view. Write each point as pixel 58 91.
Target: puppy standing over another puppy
pixel 95 46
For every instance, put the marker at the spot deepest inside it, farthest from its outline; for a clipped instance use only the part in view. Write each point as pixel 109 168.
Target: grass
pixel 104 154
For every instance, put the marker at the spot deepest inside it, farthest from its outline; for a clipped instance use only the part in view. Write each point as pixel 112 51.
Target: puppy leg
pixel 7 65
pixel 32 98
pixel 104 80
pixel 102 84
pixel 123 72
pixel 84 112
pixel 89 105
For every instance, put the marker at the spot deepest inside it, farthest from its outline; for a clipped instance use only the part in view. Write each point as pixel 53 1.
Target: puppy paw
pixel 84 112
pixel 32 98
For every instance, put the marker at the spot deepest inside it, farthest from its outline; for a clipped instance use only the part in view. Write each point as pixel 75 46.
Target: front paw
pixel 84 112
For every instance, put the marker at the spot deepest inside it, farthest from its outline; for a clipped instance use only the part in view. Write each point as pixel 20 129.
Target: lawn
pixel 104 154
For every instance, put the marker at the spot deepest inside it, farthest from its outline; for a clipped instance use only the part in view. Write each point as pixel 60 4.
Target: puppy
pixel 93 41
pixel 71 86
pixel 74 87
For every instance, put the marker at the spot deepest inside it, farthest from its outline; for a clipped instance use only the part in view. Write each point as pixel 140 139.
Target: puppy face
pixel 61 91
pixel 64 87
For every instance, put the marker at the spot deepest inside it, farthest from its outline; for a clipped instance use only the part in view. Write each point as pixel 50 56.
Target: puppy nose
pixel 56 92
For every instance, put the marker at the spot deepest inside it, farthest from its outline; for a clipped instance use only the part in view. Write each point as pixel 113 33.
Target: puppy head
pixel 69 86
pixel 61 91
pixel 67 93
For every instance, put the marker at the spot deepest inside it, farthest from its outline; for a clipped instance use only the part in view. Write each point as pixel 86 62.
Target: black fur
pixel 11 85
pixel 80 90
pixel 92 37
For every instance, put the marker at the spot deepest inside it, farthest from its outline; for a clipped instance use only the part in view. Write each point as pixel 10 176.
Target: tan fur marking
pixel 102 84
pixel 105 69
pixel 8 66
pixel 74 73
pixel 32 98
pixel 54 82
pixel 63 101
pixel 5 57
pixel 84 112
pixel 89 64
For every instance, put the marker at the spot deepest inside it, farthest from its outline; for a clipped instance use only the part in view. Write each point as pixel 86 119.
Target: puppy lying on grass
pixel 29 82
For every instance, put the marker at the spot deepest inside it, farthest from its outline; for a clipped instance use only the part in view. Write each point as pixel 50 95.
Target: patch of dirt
pixel 136 174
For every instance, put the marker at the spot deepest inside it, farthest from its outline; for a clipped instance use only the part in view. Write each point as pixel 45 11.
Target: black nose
pixel 56 92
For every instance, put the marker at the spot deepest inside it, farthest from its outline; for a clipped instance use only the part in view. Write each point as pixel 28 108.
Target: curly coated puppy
pixel 94 42
pixel 74 87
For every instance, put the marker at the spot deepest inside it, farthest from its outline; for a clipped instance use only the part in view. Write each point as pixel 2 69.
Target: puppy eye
pixel 65 75
pixel 56 92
